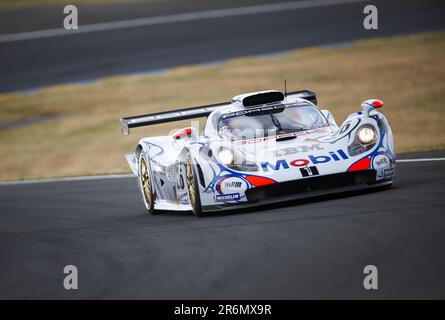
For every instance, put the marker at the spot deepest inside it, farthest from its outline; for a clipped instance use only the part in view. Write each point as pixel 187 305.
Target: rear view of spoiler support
pixel 191 113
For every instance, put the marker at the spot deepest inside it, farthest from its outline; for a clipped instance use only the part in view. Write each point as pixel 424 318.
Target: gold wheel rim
pixel 190 183
pixel 145 181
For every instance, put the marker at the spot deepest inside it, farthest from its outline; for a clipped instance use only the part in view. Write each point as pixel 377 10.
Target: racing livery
pixel 260 147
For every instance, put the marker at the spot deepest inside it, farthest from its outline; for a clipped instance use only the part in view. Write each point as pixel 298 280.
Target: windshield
pixel 257 123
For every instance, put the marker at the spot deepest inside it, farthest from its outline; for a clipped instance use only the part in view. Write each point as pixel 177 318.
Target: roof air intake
pixel 262 98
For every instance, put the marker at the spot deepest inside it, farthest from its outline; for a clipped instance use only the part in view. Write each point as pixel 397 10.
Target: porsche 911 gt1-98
pixel 260 147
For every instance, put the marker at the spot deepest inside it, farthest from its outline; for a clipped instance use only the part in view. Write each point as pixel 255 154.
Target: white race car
pixel 259 148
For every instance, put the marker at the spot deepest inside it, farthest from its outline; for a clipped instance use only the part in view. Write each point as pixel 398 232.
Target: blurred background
pixel 62 92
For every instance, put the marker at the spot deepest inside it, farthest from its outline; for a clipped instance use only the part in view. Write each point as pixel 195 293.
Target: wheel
pixel 145 183
pixel 192 187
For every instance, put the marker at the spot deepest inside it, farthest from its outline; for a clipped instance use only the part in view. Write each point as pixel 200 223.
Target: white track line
pixel 129 175
pixel 420 160
pixel 174 18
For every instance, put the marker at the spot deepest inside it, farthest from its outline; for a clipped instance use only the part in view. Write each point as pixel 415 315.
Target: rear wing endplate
pixel 304 94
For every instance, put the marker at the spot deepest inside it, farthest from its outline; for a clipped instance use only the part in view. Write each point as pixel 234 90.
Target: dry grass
pixel 406 72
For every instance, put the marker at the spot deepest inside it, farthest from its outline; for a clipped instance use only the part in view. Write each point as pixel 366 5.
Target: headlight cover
pixel 226 156
pixel 235 160
pixel 366 138
pixel 366 135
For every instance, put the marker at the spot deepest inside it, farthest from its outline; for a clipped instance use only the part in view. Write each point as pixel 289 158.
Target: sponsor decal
pixel 228 197
pixel 230 184
pixel 380 161
pixel 283 164
pixel 309 171
pixel 299 149
pixel 233 184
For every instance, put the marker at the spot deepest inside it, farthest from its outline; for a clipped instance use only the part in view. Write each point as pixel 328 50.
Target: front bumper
pixel 305 188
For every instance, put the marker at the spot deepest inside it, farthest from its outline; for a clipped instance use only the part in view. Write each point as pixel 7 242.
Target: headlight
pixel 366 135
pixel 225 156
pixel 235 160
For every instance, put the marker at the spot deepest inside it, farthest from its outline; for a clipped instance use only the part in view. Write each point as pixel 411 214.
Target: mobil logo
pixel 338 155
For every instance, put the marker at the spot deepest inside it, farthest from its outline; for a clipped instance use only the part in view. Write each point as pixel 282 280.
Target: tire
pixel 192 187
pixel 145 183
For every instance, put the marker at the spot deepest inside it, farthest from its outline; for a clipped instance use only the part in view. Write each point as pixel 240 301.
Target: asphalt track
pixel 38 62
pixel 305 249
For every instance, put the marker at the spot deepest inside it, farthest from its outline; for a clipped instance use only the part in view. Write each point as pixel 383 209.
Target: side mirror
pixel 180 137
pixel 371 104
pixel 184 134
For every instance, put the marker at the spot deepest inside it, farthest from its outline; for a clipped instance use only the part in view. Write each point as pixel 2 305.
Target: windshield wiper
pixel 276 122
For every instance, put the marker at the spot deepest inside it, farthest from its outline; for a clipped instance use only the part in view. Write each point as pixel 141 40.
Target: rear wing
pixel 191 113
pixel 304 94
pixel 168 116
